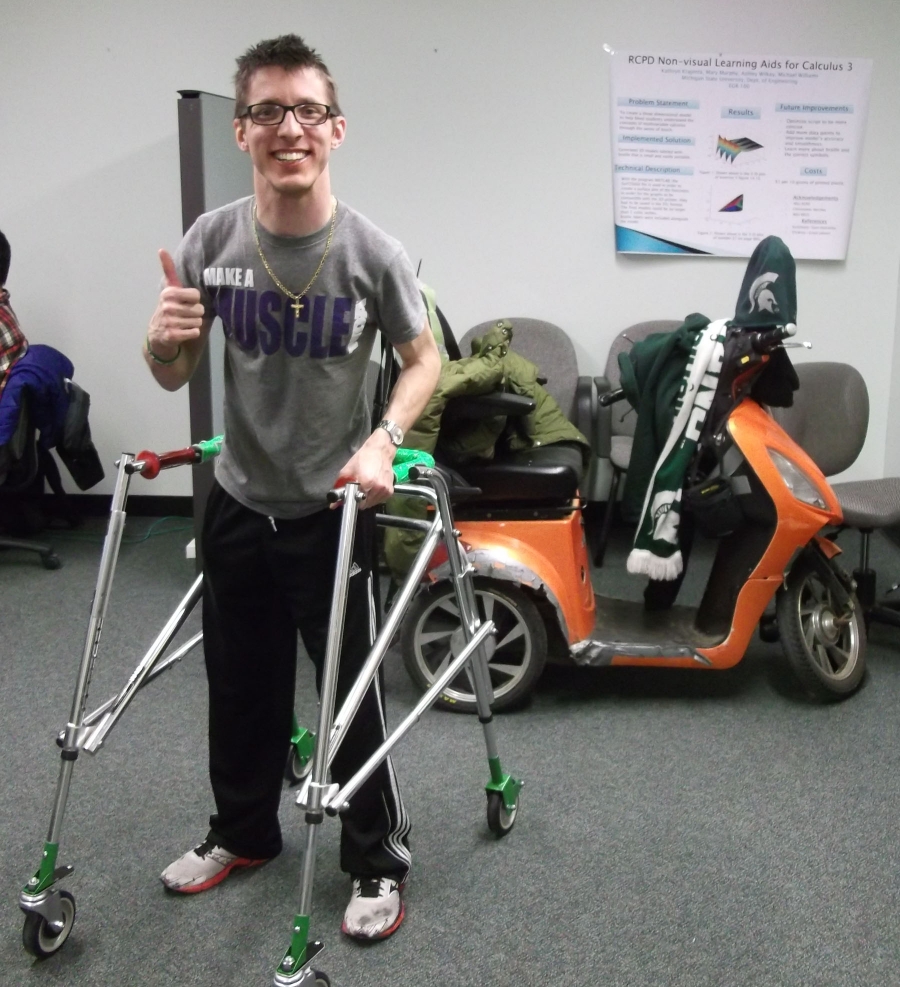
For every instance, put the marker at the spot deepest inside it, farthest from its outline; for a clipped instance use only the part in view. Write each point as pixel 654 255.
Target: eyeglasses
pixel 271 114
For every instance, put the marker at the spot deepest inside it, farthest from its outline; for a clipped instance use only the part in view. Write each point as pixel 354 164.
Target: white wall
pixel 478 134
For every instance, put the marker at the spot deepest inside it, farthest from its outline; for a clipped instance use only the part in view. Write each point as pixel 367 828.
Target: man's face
pixel 288 158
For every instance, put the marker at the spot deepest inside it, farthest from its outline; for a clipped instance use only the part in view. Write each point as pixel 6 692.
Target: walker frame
pixel 50 912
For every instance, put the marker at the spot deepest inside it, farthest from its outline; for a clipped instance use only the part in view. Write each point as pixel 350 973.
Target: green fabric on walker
pixel 405 459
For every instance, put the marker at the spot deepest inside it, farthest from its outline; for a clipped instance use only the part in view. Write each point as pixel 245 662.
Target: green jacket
pixel 493 366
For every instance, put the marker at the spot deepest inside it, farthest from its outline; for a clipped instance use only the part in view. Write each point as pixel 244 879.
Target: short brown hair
pixel 287 52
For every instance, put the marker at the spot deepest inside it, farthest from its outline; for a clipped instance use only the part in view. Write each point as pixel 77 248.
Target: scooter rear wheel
pixel 432 633
pixel 824 643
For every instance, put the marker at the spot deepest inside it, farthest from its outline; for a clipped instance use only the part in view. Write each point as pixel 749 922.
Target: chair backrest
pixel 545 345
pixel 18 457
pixel 829 416
pixel 623 417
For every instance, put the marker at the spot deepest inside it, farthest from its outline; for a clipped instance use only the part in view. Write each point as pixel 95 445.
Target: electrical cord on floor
pixel 151 532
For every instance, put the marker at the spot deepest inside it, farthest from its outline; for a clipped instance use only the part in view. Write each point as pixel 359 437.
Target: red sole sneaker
pixel 381 935
pixel 235 864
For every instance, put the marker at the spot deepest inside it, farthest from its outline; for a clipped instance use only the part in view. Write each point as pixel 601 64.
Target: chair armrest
pixel 603 420
pixel 586 409
pixel 488 406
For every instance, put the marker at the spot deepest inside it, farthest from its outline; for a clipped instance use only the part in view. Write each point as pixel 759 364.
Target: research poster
pixel 711 153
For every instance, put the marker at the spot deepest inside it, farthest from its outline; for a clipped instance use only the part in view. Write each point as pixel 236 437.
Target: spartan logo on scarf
pixel 761 296
pixel 664 519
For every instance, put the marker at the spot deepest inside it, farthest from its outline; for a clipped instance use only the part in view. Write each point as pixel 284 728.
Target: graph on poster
pixel 711 153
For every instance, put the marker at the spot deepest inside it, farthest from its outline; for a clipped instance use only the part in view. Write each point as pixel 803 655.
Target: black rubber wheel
pixel 322 979
pixel 295 770
pixel 500 819
pixel 825 645
pixel 51 561
pixel 432 633
pixel 37 937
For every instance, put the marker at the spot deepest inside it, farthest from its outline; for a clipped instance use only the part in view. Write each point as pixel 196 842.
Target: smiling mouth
pixel 291 155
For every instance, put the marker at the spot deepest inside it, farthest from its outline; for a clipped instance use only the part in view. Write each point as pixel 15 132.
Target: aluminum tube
pixel 369 670
pixel 308 872
pixel 59 803
pixel 157 670
pixel 328 690
pixel 101 594
pixel 141 673
pixel 410 523
pixel 427 700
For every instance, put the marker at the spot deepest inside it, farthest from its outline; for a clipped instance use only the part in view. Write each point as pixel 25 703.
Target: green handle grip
pixel 209 448
pixel 405 459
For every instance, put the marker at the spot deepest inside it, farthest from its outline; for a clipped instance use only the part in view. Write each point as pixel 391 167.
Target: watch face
pixel 394 431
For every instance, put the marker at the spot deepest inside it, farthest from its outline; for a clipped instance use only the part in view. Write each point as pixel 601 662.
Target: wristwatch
pixel 393 430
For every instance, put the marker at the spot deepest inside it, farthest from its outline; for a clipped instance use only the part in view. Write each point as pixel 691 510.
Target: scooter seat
pixel 542 475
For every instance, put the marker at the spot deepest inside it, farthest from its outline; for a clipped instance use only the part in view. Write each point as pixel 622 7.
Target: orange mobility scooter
pixel 752 487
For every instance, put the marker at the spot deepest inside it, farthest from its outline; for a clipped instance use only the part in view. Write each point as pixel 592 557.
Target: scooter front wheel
pixel 432 634
pixel 824 642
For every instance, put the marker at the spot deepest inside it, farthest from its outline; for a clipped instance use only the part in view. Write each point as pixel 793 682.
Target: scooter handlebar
pixel 766 340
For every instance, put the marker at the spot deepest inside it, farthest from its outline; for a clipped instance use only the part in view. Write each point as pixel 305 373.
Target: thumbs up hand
pixel 178 317
pixel 169 272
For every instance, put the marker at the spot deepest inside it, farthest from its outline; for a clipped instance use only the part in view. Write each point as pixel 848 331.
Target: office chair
pixel 829 419
pixel 19 469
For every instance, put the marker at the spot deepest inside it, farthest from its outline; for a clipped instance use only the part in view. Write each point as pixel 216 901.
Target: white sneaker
pixel 203 867
pixel 376 908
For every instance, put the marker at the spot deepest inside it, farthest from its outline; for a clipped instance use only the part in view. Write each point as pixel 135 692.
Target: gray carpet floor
pixel 682 828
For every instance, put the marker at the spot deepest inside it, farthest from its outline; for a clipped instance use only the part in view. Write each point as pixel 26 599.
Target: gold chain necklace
pixel 295 304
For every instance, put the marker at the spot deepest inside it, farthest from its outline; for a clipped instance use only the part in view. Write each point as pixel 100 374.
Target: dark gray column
pixel 214 172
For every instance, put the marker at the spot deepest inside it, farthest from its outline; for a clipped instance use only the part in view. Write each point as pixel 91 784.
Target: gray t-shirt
pixel 295 396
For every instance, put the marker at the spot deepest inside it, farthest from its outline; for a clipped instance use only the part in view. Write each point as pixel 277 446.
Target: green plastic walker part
pixel 405 459
pixel 45 876
pixel 209 448
pixel 505 785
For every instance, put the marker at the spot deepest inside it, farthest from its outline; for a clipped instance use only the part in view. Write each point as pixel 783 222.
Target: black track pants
pixel 264 581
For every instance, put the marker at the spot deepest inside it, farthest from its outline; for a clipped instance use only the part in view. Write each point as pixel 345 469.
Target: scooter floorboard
pixel 626 628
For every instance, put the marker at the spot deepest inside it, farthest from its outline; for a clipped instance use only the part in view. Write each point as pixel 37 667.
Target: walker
pixel 50 911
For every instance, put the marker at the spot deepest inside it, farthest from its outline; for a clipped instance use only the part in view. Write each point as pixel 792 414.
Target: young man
pixel 13 343
pixel 302 284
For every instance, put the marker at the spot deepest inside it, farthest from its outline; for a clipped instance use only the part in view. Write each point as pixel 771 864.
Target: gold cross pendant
pixel 295 305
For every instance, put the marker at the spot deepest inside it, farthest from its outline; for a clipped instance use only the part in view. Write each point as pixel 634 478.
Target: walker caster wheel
pixel 500 819
pixel 51 561
pixel 297 767
pixel 322 979
pixel 37 936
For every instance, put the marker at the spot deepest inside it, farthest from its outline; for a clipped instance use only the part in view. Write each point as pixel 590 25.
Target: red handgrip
pixel 151 464
pixel 154 462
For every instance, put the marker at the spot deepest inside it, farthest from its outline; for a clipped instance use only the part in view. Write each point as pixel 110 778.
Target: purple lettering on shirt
pixel 269 326
pixel 244 331
pixel 317 348
pixel 223 304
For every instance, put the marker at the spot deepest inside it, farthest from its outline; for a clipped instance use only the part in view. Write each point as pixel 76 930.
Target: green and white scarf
pixel 656 551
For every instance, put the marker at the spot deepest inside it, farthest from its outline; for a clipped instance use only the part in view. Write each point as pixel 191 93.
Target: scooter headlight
pixel 799 484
